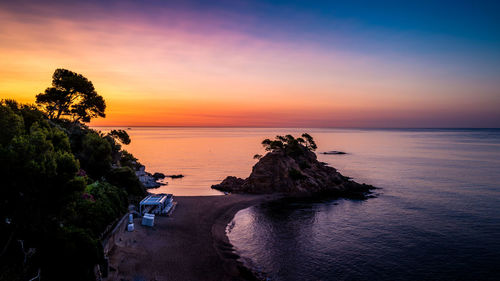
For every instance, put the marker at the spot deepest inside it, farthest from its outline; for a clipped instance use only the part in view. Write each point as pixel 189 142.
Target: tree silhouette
pixel 309 141
pixel 290 144
pixel 121 135
pixel 71 95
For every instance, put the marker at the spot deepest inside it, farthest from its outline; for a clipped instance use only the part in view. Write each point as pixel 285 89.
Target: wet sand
pixel 189 245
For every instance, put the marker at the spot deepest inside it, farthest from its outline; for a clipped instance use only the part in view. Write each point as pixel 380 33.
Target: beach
pixel 191 244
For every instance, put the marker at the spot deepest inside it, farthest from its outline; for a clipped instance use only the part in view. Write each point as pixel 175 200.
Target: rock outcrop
pixel 158 176
pixel 147 179
pixel 297 174
pixel 175 176
pixel 334 152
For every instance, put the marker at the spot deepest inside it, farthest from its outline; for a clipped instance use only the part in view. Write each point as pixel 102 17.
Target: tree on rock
pixel 71 95
pixel 309 141
pixel 290 144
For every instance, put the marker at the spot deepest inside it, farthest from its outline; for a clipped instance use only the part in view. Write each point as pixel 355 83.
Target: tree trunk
pixel 59 112
pixel 7 244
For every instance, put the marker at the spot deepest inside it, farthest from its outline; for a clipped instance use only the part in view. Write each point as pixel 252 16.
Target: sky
pixel 373 64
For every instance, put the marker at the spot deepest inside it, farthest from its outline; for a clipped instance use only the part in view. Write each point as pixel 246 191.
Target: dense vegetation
pixel 289 144
pixel 62 184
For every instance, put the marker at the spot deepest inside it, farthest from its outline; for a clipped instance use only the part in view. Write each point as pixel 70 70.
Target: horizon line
pixel 292 127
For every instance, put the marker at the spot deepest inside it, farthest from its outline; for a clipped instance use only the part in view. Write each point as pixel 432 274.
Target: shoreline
pixel 190 245
pixel 226 251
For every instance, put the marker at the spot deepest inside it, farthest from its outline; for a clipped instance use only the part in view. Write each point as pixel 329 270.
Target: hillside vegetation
pixel 62 183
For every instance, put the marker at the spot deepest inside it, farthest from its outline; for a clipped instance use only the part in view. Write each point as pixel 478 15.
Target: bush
pixel 128 160
pixel 70 254
pixel 95 156
pixel 125 177
pixel 11 125
pixel 99 206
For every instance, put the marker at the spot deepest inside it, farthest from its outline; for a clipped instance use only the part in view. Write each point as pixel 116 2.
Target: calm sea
pixel 436 216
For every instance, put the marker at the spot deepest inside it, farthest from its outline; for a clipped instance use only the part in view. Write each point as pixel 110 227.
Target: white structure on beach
pixel 156 204
pixel 148 220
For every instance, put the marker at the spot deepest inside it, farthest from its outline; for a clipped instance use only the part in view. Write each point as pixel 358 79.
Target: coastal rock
pixel 158 176
pixel 141 170
pixel 147 179
pixel 333 152
pixel 149 182
pixel 176 176
pixel 296 174
pixel 229 184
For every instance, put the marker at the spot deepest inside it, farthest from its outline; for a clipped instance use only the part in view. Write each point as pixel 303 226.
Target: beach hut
pixel 156 204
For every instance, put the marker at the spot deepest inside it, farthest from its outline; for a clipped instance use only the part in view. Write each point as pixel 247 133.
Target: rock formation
pixel 158 176
pixel 296 172
pixel 147 179
pixel 175 176
pixel 334 152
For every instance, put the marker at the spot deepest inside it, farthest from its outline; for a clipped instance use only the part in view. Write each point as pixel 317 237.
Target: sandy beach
pixel 189 245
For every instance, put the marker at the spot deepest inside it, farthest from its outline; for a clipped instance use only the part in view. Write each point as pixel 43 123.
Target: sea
pixel 435 216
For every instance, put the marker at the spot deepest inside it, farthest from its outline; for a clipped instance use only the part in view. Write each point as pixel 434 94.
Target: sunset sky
pixel 264 63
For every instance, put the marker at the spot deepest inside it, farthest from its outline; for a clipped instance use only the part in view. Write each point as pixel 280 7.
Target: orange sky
pixel 155 72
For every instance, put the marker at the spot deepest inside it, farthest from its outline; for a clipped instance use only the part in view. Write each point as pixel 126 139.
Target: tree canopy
pixel 289 143
pixel 121 135
pixel 71 95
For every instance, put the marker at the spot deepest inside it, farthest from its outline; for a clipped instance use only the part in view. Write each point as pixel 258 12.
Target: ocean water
pixel 436 215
